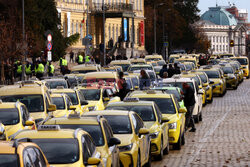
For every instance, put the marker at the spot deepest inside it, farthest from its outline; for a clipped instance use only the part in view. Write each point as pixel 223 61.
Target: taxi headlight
pixel 172 125
pixel 126 148
pixel 92 108
pixel 154 135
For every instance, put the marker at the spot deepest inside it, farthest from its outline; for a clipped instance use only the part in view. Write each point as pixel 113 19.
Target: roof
pixel 56 95
pixel 219 16
pixel 120 62
pixel 139 103
pixel 72 121
pixel 84 67
pixel 153 56
pixel 105 74
pixel 8 105
pixel 107 112
pixel 149 94
pixel 22 90
pixel 34 134
pixel 62 91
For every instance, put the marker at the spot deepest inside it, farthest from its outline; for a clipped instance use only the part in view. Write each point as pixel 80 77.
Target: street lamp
pixel 155 6
pixel 24 58
pixel 104 45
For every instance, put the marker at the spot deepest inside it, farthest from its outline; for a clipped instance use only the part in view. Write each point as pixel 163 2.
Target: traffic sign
pixel 49 37
pixel 49 46
pixel 89 37
pixel 165 44
pixel 49 56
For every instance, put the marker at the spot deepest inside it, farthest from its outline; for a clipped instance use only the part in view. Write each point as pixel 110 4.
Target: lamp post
pixel 87 26
pixel 155 6
pixel 24 52
pixel 104 45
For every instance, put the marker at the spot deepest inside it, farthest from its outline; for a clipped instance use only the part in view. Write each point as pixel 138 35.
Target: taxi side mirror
pixel 182 110
pixel 164 120
pixel 143 131
pixel 72 107
pixel 106 99
pixel 93 161
pixel 29 123
pixel 113 141
pixel 84 102
pixel 52 107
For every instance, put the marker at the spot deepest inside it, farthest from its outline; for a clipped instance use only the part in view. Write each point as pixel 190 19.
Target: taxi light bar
pixel 48 128
pixel 130 99
pixel 59 87
pixel 177 76
pixel 151 92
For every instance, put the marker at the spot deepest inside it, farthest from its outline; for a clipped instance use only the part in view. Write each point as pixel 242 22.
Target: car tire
pixel 166 150
pixel 183 139
pixel 177 146
pixel 200 117
pixel 138 159
pixel 160 156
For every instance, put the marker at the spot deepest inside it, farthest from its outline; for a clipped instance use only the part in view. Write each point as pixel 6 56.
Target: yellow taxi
pixel 135 139
pixel 63 103
pixel 100 77
pixel 218 80
pixel 36 98
pixel 64 147
pixel 21 154
pixel 230 75
pixel 244 62
pixel 170 109
pixel 152 117
pixel 238 71
pixel 137 61
pixel 86 68
pixel 174 57
pixel 98 96
pixel 79 104
pixel 123 63
pixel 183 59
pixel 199 83
pixel 138 67
pixel 226 55
pixel 15 117
pixel 150 58
pixel 100 131
pixel 189 66
pixel 113 69
pixel 205 85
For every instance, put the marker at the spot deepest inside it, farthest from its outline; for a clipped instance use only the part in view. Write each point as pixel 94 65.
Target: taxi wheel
pixel 177 146
pixel 183 139
pixel 138 159
pixel 160 156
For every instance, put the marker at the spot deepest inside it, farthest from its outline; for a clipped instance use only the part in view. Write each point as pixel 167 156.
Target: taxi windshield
pixel 145 112
pixel 124 66
pixel 59 102
pixel 135 81
pixel 189 67
pixel 91 94
pixel 83 71
pixel 9 160
pixel 56 83
pixel 120 124
pixel 228 70
pixel 73 98
pixel 203 78
pixel 140 68
pixel 212 74
pixel 175 92
pixel 166 105
pixel 55 153
pixel 94 131
pixel 96 80
pixel 34 103
pixel 242 61
pixel 9 116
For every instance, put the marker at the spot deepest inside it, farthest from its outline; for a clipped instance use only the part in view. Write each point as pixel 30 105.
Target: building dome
pixel 219 16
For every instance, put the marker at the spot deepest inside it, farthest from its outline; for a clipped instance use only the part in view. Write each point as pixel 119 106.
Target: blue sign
pixel 125 25
pixel 165 44
pixel 49 46
pixel 89 37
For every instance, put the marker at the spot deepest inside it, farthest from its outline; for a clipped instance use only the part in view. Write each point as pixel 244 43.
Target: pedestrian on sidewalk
pixel 122 86
pixel 189 102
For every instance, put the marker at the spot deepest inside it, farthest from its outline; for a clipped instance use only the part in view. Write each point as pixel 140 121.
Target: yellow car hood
pixel 60 113
pixel 12 129
pixel 216 81
pixel 171 117
pixel 126 139
pixel 148 125
pixel 77 164
pixel 37 115
pixel 92 103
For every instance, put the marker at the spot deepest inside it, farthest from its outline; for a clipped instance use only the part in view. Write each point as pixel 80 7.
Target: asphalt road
pixel 222 139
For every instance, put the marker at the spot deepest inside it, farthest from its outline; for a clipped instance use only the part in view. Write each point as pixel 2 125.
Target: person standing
pixel 177 69
pixel 39 70
pixel 51 70
pixel 97 59
pixel 163 70
pixel 189 102
pixel 144 80
pixel 80 59
pixel 28 69
pixel 110 43
pixel 170 71
pixel 122 86
pixel 87 59
pixel 71 57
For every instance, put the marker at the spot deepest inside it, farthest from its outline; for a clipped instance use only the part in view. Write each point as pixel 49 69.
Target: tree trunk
pixel 2 72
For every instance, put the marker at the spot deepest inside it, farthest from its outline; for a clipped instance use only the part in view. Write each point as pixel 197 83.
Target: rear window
pixel 59 102
pixel 213 74
pixel 9 116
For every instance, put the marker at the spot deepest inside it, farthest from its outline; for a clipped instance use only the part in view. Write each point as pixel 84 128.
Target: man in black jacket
pixel 189 102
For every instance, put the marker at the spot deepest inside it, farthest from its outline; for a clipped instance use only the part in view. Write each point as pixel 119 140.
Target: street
pixel 222 138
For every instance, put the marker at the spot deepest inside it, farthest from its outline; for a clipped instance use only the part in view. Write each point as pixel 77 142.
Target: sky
pixel 240 4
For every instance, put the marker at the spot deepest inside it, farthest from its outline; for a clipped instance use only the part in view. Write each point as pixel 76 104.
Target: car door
pixel 144 140
pixel 88 148
pixel 181 115
pixel 113 150
pixel 163 126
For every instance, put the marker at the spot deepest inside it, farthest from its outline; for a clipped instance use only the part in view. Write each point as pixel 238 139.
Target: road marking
pixel 206 136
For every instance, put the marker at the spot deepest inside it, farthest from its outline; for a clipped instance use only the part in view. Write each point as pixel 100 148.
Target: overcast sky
pixel 240 4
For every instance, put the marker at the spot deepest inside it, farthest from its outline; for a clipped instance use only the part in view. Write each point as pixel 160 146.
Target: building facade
pixel 123 18
pixel 221 27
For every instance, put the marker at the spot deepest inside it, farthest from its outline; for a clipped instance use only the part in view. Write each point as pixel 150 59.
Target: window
pixel 88 148
pixel 223 49
pixel 81 31
pixel 25 114
pixel 137 123
pixel 107 130
pixel 109 31
pixel 76 27
pixel 158 112
pixel 26 160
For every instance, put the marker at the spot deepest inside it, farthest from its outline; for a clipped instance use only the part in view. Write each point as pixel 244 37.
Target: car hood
pixel 37 115
pixel 172 117
pixel 126 139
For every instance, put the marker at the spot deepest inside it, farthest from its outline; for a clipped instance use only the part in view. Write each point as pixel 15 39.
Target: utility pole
pixel 87 27
pixel 104 47
pixel 24 49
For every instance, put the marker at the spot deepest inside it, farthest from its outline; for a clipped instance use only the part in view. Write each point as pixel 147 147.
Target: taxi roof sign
pixel 48 128
pixel 130 99
pixel 74 116
pixel 151 92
